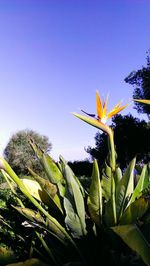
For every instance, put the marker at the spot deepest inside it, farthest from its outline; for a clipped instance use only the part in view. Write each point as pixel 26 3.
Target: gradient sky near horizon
pixel 55 54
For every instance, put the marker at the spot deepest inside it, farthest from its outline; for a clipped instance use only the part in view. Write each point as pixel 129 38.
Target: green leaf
pixel 55 225
pixel 108 191
pixel 124 189
pixel 50 190
pixel 142 184
pixel 117 175
pixel 72 220
pixel 146 186
pixel 54 174
pixel 134 211
pixel 94 123
pixel 51 169
pixel 63 163
pixel 134 238
pixel 110 207
pixel 47 225
pixel 112 199
pixel 46 185
pixel 30 214
pixel 74 205
pixel 106 181
pixel 47 248
pixel 95 196
pixel 35 189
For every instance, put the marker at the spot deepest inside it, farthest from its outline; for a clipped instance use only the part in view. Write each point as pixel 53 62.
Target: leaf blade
pixel 134 238
pixel 124 189
pixel 74 205
pixel 95 196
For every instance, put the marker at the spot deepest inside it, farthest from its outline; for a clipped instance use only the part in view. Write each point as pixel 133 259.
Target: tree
pixel 81 168
pixel 140 79
pixel 19 153
pixel 131 139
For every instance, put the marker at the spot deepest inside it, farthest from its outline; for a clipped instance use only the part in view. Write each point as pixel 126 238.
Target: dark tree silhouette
pixel 131 139
pixel 81 168
pixel 140 79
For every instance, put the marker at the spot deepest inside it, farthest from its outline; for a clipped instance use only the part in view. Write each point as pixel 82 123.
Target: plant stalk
pixel 112 149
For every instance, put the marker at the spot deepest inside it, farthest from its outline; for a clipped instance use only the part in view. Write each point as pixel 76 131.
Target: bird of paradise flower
pixel 102 116
pixel 99 121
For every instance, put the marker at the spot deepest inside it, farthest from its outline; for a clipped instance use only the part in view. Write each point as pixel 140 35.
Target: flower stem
pixel 113 167
pixel 112 149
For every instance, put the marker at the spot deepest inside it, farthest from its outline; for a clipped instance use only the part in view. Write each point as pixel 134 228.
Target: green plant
pixel 73 226
pixel 113 200
pixel 15 238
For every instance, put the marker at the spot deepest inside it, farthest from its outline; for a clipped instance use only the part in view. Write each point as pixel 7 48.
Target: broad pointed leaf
pixel 72 220
pixel 124 189
pixel 146 186
pixel 94 122
pixel 110 207
pixel 50 189
pixel 52 170
pixel 35 189
pixel 48 250
pixel 134 238
pixel 134 211
pixel 63 164
pixel 117 175
pixel 106 181
pixel 30 214
pixel 142 184
pixel 74 205
pixel 95 196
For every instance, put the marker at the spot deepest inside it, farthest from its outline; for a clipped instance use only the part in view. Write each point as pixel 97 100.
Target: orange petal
pixel 116 111
pixel 105 107
pixel 117 105
pixel 99 107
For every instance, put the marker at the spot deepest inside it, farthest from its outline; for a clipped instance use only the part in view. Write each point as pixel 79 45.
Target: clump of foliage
pixel 13 235
pixel 71 226
pixel 19 153
pixel 140 79
pixel 81 168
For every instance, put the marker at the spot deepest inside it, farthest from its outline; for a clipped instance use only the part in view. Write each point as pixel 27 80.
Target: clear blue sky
pixel 54 55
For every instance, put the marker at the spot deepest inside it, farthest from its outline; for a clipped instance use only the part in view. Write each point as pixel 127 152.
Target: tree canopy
pixel 140 79
pixel 19 153
pixel 81 168
pixel 131 139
